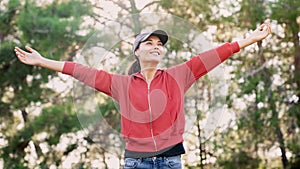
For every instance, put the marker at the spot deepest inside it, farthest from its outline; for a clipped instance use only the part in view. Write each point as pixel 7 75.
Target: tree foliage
pixel 53 30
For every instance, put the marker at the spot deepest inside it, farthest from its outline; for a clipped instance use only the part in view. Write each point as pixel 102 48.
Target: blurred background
pixel 39 124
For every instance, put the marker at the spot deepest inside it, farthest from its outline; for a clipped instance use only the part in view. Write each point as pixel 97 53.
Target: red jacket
pixel 152 116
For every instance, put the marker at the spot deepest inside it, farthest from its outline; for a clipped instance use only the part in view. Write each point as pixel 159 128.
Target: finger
pixel 19 50
pixel 22 52
pixel 270 26
pixel 261 27
pixel 20 55
pixel 267 29
pixel 29 49
pixel 267 21
pixel 270 30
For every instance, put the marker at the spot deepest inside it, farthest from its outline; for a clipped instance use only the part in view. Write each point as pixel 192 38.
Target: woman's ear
pixel 136 53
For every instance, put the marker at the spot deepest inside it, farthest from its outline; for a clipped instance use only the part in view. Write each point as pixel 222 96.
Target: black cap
pixel 162 35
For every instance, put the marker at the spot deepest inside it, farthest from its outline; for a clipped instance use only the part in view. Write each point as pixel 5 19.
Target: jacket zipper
pixel 150 111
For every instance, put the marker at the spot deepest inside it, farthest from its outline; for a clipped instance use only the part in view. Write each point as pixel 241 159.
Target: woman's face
pixel 150 51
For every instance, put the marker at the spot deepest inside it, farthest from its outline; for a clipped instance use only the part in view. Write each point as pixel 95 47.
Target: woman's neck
pixel 148 73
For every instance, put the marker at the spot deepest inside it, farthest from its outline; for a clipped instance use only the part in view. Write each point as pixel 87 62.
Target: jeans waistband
pixel 159 158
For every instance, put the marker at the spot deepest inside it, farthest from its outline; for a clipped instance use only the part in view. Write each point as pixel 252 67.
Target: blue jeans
pixel 153 163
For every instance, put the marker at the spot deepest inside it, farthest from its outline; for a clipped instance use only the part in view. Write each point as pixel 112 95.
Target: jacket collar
pixel 157 73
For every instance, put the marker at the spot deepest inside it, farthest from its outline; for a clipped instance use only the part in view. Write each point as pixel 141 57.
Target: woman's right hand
pixel 32 57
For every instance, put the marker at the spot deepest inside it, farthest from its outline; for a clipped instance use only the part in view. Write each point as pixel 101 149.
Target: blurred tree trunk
pixel 297 58
pixel 135 13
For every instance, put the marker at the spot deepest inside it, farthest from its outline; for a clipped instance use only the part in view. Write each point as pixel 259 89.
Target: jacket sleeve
pixel 206 61
pixel 98 79
pixel 187 73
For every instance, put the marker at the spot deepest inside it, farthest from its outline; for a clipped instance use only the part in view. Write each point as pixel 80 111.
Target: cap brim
pixel 162 35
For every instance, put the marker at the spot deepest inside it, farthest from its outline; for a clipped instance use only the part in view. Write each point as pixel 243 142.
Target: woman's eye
pixel 149 43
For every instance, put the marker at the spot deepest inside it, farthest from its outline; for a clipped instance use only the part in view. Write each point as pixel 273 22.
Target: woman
pixel 151 99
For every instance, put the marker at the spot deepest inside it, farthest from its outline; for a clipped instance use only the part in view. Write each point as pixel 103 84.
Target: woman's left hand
pixel 259 34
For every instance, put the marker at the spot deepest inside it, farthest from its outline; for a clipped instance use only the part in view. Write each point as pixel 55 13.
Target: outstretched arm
pixel 32 57
pixel 98 79
pixel 259 34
